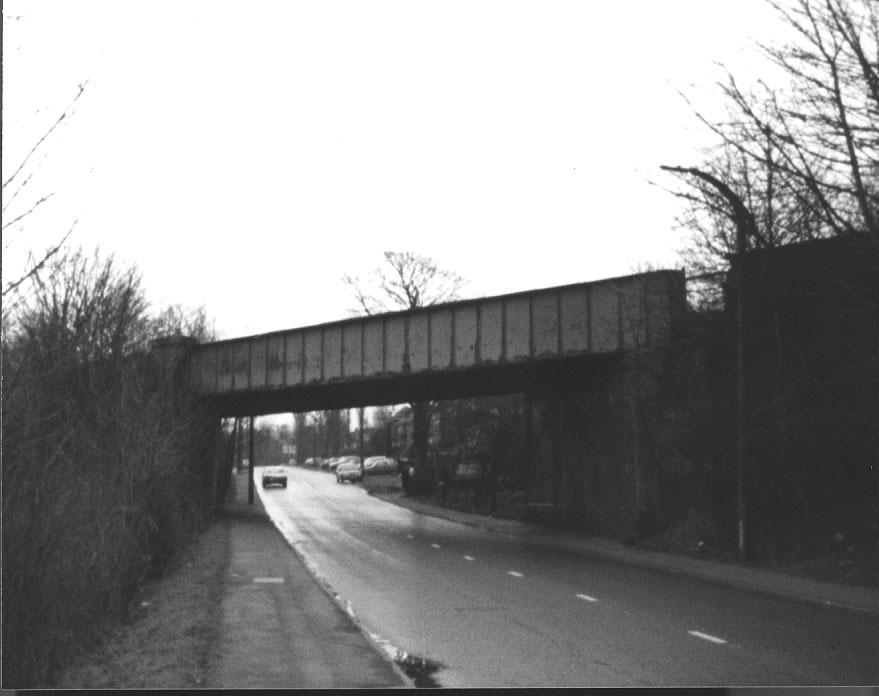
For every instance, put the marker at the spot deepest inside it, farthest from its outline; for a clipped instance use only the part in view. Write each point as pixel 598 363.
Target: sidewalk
pixel 278 628
pixel 861 599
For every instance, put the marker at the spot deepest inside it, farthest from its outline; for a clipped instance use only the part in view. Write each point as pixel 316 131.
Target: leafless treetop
pixel 405 281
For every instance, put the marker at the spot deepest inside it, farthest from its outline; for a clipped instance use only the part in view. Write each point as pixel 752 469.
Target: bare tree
pixel 831 115
pixel 730 187
pixel 176 320
pixel 407 281
pixel 803 157
pixel 15 185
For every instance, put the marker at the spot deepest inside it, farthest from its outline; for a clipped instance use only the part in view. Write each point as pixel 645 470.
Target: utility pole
pixel 741 454
pixel 746 226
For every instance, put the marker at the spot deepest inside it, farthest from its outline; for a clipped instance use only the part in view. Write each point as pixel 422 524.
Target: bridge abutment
pixel 589 451
pixel 171 359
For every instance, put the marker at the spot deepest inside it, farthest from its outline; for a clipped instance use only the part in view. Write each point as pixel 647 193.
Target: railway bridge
pixel 570 349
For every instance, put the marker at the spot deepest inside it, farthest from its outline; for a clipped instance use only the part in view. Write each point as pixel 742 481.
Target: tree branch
pixel 36 269
pixel 45 135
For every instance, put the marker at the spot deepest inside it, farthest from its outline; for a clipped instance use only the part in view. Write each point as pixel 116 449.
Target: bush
pixel 105 465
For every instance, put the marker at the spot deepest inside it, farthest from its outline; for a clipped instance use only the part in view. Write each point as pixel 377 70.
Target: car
pixel 274 476
pixel 333 462
pixel 349 469
pixel 381 465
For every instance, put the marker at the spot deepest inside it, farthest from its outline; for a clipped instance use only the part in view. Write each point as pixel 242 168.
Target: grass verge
pixel 168 639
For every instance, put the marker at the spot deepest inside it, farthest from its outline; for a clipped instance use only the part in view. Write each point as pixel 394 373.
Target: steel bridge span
pixel 561 337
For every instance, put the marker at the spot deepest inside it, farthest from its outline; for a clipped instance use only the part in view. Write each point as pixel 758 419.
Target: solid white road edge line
pixel 436 546
pixel 469 558
pixel 705 636
pixel 515 574
pixel 587 598
pixel 269 580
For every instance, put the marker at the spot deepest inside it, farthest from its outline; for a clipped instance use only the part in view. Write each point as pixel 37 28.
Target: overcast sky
pixel 245 156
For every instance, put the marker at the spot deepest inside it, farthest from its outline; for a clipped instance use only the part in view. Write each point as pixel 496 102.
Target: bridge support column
pixel 424 475
pixel 229 464
pixel 250 481
pixel 237 455
pixel 360 449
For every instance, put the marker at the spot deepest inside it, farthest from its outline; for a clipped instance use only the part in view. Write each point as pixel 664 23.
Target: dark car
pixel 274 476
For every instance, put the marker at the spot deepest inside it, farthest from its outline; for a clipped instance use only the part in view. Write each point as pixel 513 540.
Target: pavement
pixel 281 628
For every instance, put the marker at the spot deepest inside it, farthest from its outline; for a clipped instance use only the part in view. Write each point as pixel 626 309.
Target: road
pixel 494 610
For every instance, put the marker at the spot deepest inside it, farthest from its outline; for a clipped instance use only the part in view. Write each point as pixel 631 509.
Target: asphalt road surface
pixel 499 611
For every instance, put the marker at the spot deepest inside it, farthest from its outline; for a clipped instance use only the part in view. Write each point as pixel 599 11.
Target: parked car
pixel 274 476
pixel 349 469
pixel 381 465
pixel 350 458
pixel 312 462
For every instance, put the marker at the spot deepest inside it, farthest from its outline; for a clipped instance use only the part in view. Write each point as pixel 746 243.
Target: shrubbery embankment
pixel 106 466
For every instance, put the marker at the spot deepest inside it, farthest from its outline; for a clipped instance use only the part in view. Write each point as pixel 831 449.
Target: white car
pixel 333 462
pixel 349 470
pixel 381 465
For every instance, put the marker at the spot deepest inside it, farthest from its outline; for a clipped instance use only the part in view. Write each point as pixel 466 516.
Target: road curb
pixel 862 600
pixel 849 597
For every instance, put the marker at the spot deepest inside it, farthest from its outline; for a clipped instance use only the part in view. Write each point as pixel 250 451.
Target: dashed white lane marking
pixel 436 546
pixel 705 636
pixel 586 598
pixel 469 558
pixel 515 574
pixel 275 581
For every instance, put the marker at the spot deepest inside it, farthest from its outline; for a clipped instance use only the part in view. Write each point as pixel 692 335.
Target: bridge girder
pixel 561 375
pixel 484 346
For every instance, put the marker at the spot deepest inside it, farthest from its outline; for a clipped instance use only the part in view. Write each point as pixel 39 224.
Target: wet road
pixel 501 611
